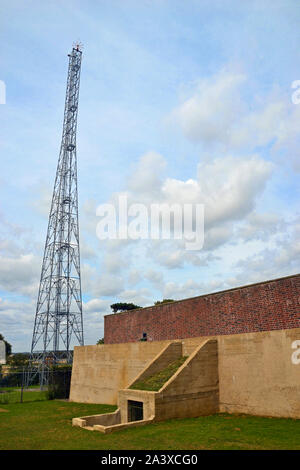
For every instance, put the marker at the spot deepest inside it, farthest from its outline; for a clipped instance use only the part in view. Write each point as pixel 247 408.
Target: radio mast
pixel 58 317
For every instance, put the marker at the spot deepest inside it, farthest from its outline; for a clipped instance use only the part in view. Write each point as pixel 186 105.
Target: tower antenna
pixel 58 319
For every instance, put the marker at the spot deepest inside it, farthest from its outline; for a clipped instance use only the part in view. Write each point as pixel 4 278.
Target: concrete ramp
pixel 193 390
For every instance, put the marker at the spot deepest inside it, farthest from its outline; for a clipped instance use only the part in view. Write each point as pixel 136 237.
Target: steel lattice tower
pixel 59 305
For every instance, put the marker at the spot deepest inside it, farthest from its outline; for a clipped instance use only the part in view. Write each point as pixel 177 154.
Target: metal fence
pixel 14 389
pixel 12 386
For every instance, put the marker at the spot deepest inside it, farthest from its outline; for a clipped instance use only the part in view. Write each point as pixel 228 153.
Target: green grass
pixel 13 395
pixel 48 425
pixel 156 381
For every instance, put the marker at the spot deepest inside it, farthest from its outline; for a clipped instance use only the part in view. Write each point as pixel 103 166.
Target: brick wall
pixel 266 306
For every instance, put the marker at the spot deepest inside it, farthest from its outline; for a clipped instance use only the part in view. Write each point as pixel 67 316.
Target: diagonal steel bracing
pixel 58 319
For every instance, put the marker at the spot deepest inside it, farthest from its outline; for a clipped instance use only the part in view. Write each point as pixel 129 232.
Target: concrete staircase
pixel 193 390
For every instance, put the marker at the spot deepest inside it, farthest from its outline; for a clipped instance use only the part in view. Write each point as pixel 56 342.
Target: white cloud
pixel 114 262
pixel 227 186
pixel 141 297
pixel 134 277
pixel 155 277
pixel 259 127
pixel 97 283
pixel 20 274
pixel 16 320
pixel 88 219
pixel 260 226
pixel 218 114
pixel 277 259
pixel 190 288
pixel 87 252
pixel 95 306
pixel 108 285
pixel 42 204
pixel 147 177
pixel 208 115
pixel 173 255
pixel 10 247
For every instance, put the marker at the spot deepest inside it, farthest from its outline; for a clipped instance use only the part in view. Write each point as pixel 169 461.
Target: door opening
pixel 135 410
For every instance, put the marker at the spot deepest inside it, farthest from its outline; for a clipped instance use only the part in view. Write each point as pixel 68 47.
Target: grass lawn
pixel 13 395
pixel 156 381
pixel 47 425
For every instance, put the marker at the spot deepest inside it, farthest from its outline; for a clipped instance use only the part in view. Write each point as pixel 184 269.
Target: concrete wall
pixel 194 389
pixel 258 372
pixel 265 306
pixel 147 397
pixel 99 372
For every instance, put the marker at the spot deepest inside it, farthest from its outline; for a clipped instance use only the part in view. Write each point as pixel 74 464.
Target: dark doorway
pixel 135 410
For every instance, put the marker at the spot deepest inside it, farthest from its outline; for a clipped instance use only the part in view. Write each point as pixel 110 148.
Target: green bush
pixel 13 379
pixel 59 381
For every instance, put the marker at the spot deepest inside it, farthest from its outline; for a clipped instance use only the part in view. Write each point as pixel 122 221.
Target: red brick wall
pixel 271 305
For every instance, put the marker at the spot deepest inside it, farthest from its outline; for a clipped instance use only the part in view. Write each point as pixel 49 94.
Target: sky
pixel 180 102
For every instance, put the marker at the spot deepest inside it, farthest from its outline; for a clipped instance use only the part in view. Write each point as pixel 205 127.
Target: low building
pixel 243 356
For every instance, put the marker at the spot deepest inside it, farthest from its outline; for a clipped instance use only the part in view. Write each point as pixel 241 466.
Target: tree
pixel 7 346
pixel 164 301
pixel 18 360
pixel 100 341
pixel 123 306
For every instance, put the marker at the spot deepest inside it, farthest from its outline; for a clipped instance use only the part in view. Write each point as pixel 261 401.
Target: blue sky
pixel 179 102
